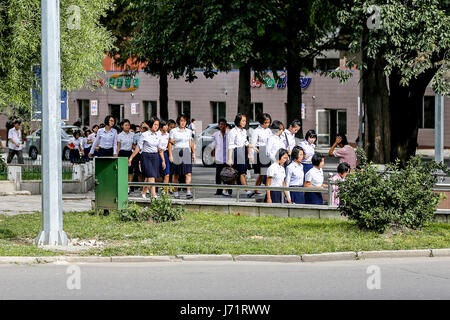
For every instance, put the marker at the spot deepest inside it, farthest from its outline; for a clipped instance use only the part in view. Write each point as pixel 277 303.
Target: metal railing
pixel 195 186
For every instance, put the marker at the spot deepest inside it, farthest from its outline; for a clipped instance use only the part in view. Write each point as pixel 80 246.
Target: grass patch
pixel 210 233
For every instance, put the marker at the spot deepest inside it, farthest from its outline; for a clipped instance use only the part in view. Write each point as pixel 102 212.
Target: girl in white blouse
pixel 181 153
pixel 275 142
pixel 295 175
pixel 276 178
pixel 314 179
pixel 308 146
pixel 75 146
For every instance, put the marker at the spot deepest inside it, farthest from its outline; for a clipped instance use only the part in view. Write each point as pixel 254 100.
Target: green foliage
pixel 361 156
pixel 394 198
pixel 158 210
pixel 82 50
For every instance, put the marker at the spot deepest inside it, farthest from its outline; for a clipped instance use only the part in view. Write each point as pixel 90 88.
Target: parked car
pixel 33 144
pixel 205 140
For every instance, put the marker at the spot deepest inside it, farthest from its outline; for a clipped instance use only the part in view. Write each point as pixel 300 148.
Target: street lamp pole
pixel 52 223
pixel 439 129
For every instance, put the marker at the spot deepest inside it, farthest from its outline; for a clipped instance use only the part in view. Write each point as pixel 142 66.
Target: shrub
pixel 398 197
pixel 158 210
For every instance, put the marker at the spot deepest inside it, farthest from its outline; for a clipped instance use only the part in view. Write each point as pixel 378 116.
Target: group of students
pixel 155 149
pixel 277 159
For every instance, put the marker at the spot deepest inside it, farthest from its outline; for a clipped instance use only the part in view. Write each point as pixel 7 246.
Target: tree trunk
pixel 405 105
pixel 294 94
pixel 163 94
pixel 244 94
pixel 377 117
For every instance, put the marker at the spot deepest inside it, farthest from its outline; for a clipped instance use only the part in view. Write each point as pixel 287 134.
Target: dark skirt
pixel 183 156
pixel 297 197
pixel 127 154
pixel 313 198
pixel 262 162
pixel 105 152
pixel 150 165
pixel 166 171
pixel 307 167
pixel 86 154
pixel 135 164
pixel 74 155
pixel 240 160
pixel 275 196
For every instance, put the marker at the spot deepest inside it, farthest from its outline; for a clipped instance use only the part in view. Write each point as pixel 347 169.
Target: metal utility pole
pixel 52 223
pixel 439 129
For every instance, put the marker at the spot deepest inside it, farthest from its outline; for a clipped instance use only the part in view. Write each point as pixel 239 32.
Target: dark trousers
pixel 12 153
pixel 219 167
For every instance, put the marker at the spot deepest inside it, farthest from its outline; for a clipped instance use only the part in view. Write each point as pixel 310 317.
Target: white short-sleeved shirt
pixel 237 138
pixel 106 140
pixel 182 138
pixel 126 140
pixel 16 135
pixel 76 142
pixel 277 173
pixel 308 149
pixel 259 138
pixel 288 139
pixel 149 142
pixel 294 174
pixel 315 177
pixel 85 143
pixel 220 143
pixel 164 140
pixel 273 145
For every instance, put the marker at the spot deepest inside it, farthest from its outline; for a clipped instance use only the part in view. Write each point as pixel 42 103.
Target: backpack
pixel 229 175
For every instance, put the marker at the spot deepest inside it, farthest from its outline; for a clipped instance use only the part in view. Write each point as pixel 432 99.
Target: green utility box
pixel 111 183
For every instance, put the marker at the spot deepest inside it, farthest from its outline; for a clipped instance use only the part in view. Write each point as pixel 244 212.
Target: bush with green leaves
pixel 158 210
pixel 396 197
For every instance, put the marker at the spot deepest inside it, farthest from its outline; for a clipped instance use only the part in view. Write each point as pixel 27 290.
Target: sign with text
pixel 123 82
pixel 94 107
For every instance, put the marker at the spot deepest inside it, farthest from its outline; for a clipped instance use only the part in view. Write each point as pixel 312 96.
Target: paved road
pixel 411 278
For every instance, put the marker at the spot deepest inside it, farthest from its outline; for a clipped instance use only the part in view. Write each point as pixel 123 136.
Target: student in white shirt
pixel 125 145
pixel 150 156
pixel 238 149
pixel 75 146
pixel 164 144
pixel 106 139
pixel 276 175
pixel 91 139
pixel 314 179
pixel 289 135
pixel 181 153
pixel 258 139
pixel 86 144
pixel 275 141
pixel 308 146
pixel 219 151
pixel 15 143
pixel 295 175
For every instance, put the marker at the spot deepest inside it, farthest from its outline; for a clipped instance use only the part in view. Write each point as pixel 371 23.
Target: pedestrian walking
pixel 91 140
pixel 346 153
pixel 308 145
pixel 314 179
pixel 15 143
pixel 295 175
pixel 163 145
pixel 219 152
pixel 289 135
pixel 181 153
pixel 258 139
pixel 86 144
pixel 106 139
pixel 125 145
pixel 75 146
pixel 276 175
pixel 151 154
pixel 275 141
pixel 238 149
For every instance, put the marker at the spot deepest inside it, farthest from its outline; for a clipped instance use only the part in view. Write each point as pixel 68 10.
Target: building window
pixel 84 112
pixel 327 64
pixel 117 111
pixel 150 109
pixel 427 113
pixel 218 110
pixel 257 111
pixel 184 107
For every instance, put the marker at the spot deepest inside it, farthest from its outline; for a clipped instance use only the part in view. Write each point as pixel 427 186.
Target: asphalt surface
pixel 408 278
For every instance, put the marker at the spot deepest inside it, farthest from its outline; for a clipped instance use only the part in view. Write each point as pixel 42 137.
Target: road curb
pixel 205 257
pixel 332 256
pixel 268 258
pixel 394 254
pixel 321 257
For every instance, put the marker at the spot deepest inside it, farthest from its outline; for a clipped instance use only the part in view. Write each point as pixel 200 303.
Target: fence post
pixel 330 190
